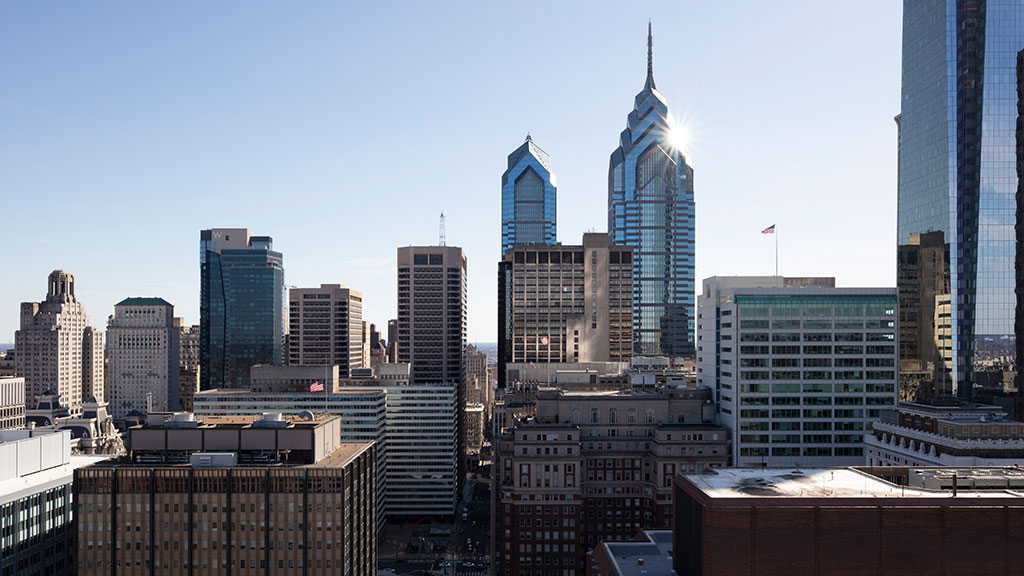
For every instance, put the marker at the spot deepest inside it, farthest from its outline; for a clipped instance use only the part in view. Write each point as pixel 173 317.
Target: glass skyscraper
pixel 241 306
pixel 957 185
pixel 528 197
pixel 650 207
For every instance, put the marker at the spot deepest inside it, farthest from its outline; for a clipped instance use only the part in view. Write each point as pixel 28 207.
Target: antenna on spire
pixel 440 231
pixel 650 57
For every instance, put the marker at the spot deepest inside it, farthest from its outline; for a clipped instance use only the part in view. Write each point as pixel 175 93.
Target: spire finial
pixel 650 57
pixel 528 139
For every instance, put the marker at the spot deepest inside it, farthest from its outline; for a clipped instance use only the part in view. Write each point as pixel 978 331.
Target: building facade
pixel 241 306
pixel 567 304
pixel 232 509
pixel 651 209
pixel 800 369
pixel 325 326
pixel 12 403
pixel 57 350
pixel 593 467
pixel 945 433
pixel 36 512
pixel 143 355
pixel 528 198
pixel 958 175
pixel 840 521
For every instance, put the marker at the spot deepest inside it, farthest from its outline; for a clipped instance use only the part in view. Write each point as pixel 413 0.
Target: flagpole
pixel 776 251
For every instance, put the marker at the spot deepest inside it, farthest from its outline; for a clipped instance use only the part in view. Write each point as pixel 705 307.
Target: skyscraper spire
pixel 650 58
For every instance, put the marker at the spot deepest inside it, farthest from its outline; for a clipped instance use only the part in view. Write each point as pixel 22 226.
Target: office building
pixel 36 510
pixel 567 304
pixel 413 426
pixel 188 358
pixel 800 368
pixel 143 357
pixel 944 432
pixel 651 210
pixel 958 180
pixel 849 521
pixel 392 352
pixel 362 413
pixel 325 326
pixel 432 312
pixel 221 495
pixel 57 350
pixel 241 306
pixel 595 467
pixel 432 324
pixel 12 403
pixel 528 198
pixel 7 364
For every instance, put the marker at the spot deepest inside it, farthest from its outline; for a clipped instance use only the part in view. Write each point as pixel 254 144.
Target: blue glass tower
pixel 957 184
pixel 650 207
pixel 241 306
pixel 528 197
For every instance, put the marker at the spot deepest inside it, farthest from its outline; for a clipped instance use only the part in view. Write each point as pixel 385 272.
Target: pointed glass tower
pixel 527 198
pixel 650 207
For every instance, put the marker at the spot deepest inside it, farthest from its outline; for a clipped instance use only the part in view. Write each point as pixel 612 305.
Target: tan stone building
pixel 565 304
pixel 57 349
pixel 237 495
pixel 595 466
pixel 325 326
pixel 143 362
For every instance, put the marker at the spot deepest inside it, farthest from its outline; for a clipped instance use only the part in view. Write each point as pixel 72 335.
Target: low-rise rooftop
pixel 850 483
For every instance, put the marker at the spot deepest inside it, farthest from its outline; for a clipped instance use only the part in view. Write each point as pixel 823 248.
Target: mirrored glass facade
pixel 957 177
pixel 241 306
pixel 651 208
pixel 528 198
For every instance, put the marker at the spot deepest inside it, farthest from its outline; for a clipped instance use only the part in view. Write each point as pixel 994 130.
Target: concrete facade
pixel 312 513
pixel 143 355
pixel 325 326
pixel 57 349
pixel 12 403
pixel 800 368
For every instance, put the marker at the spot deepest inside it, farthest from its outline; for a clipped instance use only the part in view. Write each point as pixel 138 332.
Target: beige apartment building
pixel 595 466
pixel 325 327
pixel 143 357
pixel 232 495
pixel 56 348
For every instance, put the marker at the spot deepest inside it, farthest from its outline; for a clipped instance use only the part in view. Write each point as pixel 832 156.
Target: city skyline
pixel 220 131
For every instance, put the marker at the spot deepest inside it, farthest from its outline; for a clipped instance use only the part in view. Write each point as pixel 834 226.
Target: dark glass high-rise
pixel 957 186
pixel 241 306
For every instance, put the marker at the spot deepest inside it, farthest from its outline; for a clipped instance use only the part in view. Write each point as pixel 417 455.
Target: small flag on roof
pixel 317 386
pixel 769 230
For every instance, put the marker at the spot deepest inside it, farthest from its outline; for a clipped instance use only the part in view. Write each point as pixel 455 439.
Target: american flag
pixel 317 386
pixel 544 341
pixel 769 230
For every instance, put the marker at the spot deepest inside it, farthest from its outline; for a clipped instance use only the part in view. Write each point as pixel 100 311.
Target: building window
pixel 613 416
pixel 650 416
pixel 576 416
pixel 595 416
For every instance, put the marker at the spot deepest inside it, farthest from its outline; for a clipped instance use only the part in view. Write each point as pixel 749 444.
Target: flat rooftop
pixel 656 554
pixel 16 488
pixel 830 483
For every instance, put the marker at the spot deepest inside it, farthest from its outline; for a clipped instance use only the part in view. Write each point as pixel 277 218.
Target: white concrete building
pixel 143 354
pixel 800 369
pixel 36 512
pixel 12 403
pixel 56 348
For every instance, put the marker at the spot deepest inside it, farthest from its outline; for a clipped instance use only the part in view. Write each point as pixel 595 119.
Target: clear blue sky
pixel 343 130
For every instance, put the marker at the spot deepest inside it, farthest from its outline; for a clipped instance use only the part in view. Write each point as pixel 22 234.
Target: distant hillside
pixel 4 347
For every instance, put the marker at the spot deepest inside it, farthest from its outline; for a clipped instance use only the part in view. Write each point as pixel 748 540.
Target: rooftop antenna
pixel 440 232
